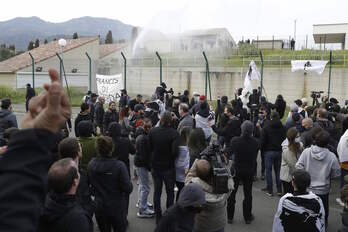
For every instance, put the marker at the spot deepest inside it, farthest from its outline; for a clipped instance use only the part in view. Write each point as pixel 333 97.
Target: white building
pixel 331 33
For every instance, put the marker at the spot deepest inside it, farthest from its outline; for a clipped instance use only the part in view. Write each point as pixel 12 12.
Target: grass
pixel 17 96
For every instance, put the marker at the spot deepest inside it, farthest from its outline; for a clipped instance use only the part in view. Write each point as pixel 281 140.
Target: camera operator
pixel 213 217
pixel 254 98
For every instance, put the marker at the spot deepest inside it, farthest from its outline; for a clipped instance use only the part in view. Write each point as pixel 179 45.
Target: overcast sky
pixel 240 17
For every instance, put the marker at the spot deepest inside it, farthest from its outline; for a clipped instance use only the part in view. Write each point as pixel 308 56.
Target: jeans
pixel 110 218
pixel 273 159
pixel 287 187
pixel 343 174
pixel 325 199
pixel 144 188
pixel 247 180
pixel 168 177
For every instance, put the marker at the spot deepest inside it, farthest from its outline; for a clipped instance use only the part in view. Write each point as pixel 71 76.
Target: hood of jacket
pixel 318 153
pixel 203 112
pixel 192 195
pixel 210 197
pixel 57 206
pixel 115 130
pixel 4 113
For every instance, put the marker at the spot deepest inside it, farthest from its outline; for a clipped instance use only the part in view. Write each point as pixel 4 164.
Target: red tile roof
pixel 107 49
pixel 41 53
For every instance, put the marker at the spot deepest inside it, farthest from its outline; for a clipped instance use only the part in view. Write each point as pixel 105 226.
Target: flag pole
pixel 328 91
pixel 261 84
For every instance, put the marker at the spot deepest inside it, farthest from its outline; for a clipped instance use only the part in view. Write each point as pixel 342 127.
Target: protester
pixel 126 128
pixel 195 108
pixel 231 128
pixel 84 115
pixel 87 141
pixel 180 217
pixel 111 184
pixel 99 113
pixel 194 100
pixel 254 98
pixel 29 95
pixel 220 108
pixel 344 199
pixel 61 212
pixel 291 152
pixel 322 165
pixel 124 99
pixel 245 149
pixel 204 119
pixel 196 144
pixel 164 146
pixel 142 161
pixel 301 210
pixel 342 151
pixel 135 101
pixel 323 122
pixel 7 118
pixel 213 217
pixel 91 104
pixel 306 132
pixel 185 118
pixel 111 115
pixel 272 137
pixel 185 97
pixel 182 162
pixel 280 106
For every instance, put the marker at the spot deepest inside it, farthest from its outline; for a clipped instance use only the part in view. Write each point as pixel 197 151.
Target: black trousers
pixel 111 218
pixel 247 179
pixel 168 178
pixel 325 199
pixel 287 187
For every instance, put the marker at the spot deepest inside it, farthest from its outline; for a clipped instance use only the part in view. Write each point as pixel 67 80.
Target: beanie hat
pixel 202 98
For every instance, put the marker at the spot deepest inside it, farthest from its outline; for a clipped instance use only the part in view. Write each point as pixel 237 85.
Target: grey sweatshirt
pixel 321 165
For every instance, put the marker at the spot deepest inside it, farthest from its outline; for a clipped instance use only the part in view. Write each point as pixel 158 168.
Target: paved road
pixel 264 207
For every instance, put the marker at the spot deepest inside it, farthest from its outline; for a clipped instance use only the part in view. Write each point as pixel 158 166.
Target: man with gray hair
pixel 245 149
pixel 185 117
pixel 306 133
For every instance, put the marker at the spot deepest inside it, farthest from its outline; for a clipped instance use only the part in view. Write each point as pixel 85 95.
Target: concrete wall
pixel 8 79
pixel 224 81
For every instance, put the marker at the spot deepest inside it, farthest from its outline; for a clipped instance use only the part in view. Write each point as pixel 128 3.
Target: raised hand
pixel 51 109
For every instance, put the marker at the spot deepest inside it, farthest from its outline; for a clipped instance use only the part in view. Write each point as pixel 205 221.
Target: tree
pixel 12 47
pixel 75 36
pixel 37 43
pixel 31 45
pixel 108 39
pixel 45 42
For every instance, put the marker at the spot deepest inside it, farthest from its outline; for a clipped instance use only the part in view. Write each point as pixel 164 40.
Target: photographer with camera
pixel 212 174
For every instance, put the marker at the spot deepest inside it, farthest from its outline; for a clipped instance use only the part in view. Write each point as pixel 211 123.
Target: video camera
pixel 316 95
pixel 220 173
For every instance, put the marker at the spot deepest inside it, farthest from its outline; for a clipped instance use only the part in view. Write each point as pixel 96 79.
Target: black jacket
pixel 164 146
pixel 81 117
pixel 245 151
pixel 143 153
pixel 280 106
pixel 176 219
pixel 23 170
pixel 123 146
pixel 99 114
pixel 230 130
pixel 272 136
pixel 30 93
pixel 110 181
pixel 132 103
pixel 62 213
pixel 109 117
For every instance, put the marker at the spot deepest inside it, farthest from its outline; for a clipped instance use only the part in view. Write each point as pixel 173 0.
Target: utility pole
pixel 295 29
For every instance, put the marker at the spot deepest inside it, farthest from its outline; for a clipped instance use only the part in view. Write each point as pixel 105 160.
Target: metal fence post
pixel 207 76
pixel 125 70
pixel 160 60
pixel 63 71
pixel 328 91
pixel 89 72
pixel 33 68
pixel 261 59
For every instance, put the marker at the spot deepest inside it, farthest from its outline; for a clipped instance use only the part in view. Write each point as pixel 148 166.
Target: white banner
pixel 317 66
pixel 252 74
pixel 109 86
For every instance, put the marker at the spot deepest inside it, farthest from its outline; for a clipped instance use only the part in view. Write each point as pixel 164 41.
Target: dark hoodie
pixel 122 145
pixel 143 152
pixel 7 120
pixel 180 217
pixel 82 116
pixel 272 136
pixel 62 214
pixel 344 227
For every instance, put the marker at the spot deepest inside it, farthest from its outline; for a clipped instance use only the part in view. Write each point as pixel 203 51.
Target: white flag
pixel 252 74
pixel 317 66
pixel 109 86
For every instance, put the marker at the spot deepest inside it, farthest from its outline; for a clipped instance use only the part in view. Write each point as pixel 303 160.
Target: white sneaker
pixel 148 213
pixel 176 189
pixel 339 201
pixel 148 205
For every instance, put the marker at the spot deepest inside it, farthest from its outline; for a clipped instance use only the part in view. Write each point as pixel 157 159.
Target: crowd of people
pixel 57 180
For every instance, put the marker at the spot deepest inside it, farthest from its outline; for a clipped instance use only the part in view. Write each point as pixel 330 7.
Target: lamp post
pixel 62 44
